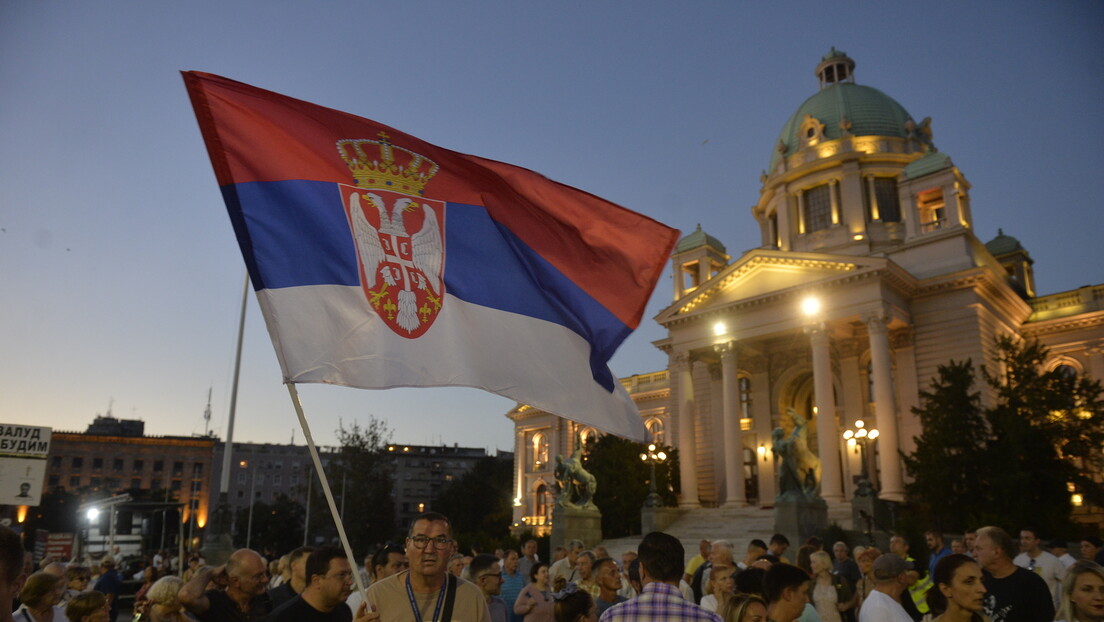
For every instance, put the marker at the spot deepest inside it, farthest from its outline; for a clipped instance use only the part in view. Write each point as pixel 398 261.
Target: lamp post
pixel 651 458
pixel 252 490
pixel 862 437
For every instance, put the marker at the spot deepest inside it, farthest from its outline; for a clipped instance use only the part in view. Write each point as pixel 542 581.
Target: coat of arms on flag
pixel 399 235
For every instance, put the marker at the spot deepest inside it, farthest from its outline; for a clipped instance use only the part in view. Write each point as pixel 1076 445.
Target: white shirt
pixel 709 603
pixel 1047 566
pixel 879 607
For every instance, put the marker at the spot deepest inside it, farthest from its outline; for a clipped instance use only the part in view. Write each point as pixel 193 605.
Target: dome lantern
pixel 835 67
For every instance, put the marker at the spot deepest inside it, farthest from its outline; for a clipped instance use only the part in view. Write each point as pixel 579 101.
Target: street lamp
pixel 252 489
pixel 651 458
pixel 862 437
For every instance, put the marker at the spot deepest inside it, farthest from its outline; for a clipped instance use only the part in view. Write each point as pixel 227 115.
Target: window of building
pixel 74 481
pixel 276 479
pixel 136 482
pixel 54 480
pixel 241 494
pixel 1066 371
pixel 155 484
pixel 113 483
pixel 178 468
pixel 241 477
pixel 97 463
pixel 540 501
pixel 139 465
pixel 744 385
pixel 175 484
pixel 932 210
pixel 94 482
pixel 655 430
pixel 197 486
pixel 260 479
pixel 539 451
pixel 56 462
pixel 158 466
pixel 294 479
pixel 77 462
pixel 775 236
pixel 117 464
pixel 197 468
pixel 882 202
pixel 818 208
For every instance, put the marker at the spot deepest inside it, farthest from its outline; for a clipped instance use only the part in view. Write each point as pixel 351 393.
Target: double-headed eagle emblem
pixel 401 273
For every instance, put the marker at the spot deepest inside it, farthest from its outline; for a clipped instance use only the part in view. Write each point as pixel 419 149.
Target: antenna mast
pixel 207 414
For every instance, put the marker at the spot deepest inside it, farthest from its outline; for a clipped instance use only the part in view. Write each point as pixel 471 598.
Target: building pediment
pixel 763 273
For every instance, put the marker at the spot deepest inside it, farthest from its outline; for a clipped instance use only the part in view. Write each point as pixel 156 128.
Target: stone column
pixel 688 463
pixel 733 441
pixel 519 473
pixel 885 408
pixel 831 488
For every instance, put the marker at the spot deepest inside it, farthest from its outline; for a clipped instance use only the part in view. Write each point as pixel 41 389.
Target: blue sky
pixel 121 279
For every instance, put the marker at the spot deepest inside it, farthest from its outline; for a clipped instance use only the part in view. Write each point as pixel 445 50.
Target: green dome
pixel 697 239
pixel 870 112
pixel 1003 244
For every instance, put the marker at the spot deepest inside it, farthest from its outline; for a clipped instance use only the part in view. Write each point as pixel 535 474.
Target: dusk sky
pixel 121 279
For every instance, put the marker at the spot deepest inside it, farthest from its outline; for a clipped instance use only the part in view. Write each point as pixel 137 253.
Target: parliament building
pixel 869 275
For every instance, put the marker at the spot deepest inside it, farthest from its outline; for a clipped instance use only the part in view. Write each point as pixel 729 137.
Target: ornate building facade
pixel 869 275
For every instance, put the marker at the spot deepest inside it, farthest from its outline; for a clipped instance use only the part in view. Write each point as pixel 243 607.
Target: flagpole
pixel 325 486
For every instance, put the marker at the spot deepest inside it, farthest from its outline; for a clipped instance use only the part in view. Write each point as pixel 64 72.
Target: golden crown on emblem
pixel 408 175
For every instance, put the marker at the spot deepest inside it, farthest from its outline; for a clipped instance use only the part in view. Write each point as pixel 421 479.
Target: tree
pixel 1050 426
pixel 623 482
pixel 361 472
pixel 947 467
pixel 478 504
pixel 1013 465
pixel 277 525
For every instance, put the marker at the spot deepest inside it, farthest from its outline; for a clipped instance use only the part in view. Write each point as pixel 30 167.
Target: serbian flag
pixel 380 260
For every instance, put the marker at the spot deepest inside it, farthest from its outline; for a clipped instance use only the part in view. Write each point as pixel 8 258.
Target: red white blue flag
pixel 380 260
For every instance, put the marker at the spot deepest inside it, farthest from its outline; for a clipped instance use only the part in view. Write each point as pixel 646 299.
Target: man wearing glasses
pixel 486 572
pixel 329 583
pixel 426 592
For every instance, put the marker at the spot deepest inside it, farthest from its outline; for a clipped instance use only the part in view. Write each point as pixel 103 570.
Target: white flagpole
pixel 326 488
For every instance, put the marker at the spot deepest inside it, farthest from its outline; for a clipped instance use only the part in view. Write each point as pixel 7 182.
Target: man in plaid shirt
pixel 661 565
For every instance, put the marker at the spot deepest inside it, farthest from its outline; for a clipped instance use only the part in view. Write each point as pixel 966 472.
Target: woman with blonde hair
pixel 721 585
pixel 40 596
pixel 87 607
pixel 831 594
pixel 1082 597
pixel 744 608
pixel 164 606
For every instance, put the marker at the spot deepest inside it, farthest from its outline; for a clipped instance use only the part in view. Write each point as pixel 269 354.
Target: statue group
pixel 577 485
pixel 799 472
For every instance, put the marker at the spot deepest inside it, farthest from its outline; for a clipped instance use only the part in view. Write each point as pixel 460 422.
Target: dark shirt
pixel 847 569
pixel 603 605
pixel 281 594
pixel 223 608
pixel 298 609
pixel 1022 596
pixel 111 583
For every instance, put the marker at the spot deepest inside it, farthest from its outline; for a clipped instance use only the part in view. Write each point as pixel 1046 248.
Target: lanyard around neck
pixel 414 603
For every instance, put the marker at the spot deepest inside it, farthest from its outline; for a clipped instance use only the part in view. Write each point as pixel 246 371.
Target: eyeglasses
pixel 440 542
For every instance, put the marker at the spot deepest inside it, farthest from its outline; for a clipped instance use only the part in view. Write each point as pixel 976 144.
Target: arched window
pixel 539 451
pixel 587 434
pixel 1066 371
pixel 542 505
pixel 655 429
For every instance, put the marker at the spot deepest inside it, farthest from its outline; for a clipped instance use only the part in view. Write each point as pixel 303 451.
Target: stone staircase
pixel 737 525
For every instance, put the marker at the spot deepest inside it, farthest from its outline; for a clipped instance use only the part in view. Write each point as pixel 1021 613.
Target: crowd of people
pixel 986 576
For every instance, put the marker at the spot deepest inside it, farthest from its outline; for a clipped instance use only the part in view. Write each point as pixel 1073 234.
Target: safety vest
pixel 918 591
